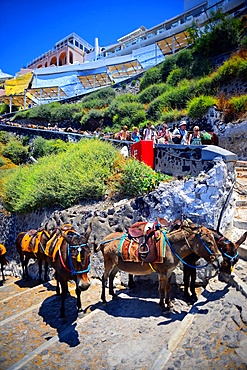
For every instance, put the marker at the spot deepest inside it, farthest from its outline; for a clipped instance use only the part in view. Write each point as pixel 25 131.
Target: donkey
pixel 230 257
pixel 179 244
pixel 68 253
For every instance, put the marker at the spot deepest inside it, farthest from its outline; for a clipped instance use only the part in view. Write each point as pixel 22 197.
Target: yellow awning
pixel 17 85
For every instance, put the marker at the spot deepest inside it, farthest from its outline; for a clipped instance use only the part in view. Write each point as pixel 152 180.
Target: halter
pixel 72 269
pixel 231 258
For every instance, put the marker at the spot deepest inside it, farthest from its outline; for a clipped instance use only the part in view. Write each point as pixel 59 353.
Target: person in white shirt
pixel 180 134
pixel 149 133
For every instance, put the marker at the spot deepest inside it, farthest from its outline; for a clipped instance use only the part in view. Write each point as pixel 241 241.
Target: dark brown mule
pixel 34 248
pixel 3 259
pixel 69 254
pixel 229 252
pixel 181 243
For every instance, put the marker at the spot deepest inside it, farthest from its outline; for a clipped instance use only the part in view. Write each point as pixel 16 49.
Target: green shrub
pixel 137 178
pixel 5 137
pixel 2 162
pixel 238 104
pixel 17 153
pixel 4 108
pixel 150 77
pixel 93 115
pixel 175 76
pixel 199 106
pixel 62 180
pixel 43 147
pixel 125 113
pixel 151 92
pixel 167 66
pixel 203 86
pixel 172 115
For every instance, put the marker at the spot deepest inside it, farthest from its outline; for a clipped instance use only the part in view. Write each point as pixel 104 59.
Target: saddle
pixel 54 244
pixel 132 249
pixel 31 240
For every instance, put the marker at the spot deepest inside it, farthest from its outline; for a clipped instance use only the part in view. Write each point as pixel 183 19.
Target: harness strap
pixel 152 268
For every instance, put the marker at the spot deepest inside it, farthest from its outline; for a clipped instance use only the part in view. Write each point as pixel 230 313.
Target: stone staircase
pixel 240 219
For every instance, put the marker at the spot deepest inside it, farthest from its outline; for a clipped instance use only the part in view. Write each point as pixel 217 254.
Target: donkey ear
pixel 241 240
pixel 88 231
pixel 163 222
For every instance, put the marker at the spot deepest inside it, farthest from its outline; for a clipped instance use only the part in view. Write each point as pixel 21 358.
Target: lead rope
pixel 181 260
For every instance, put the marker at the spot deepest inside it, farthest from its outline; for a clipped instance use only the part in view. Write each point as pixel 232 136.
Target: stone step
pixel 241 164
pixel 240 218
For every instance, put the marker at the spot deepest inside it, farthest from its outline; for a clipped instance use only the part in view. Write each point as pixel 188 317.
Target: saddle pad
pixel 54 244
pixel 128 250
pixel 2 249
pixel 26 245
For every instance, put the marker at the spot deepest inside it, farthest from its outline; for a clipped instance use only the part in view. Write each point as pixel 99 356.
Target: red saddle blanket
pixel 129 249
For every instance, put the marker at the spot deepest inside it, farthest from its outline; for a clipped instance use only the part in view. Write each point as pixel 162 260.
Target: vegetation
pixel 90 169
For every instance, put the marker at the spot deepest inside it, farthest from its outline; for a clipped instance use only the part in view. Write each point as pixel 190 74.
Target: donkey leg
pixel 131 282
pixel 186 278
pixel 193 285
pixel 64 286
pixel 168 293
pixel 57 285
pixel 46 271
pixel 108 267
pixel 2 272
pixel 111 278
pixel 162 290
pixel 26 260
pixel 78 297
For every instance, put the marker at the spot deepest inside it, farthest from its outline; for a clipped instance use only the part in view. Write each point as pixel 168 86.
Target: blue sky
pixel 30 28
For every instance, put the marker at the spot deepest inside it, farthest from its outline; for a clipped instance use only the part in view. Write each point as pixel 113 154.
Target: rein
pixel 185 263
pixel 72 269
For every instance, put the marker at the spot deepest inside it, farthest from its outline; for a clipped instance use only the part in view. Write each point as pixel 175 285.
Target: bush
pixel 238 104
pixel 2 162
pixel 5 137
pixel 151 92
pixel 135 178
pixel 17 153
pixel 4 108
pixel 175 76
pixel 150 77
pixel 61 180
pixel 125 113
pixel 43 147
pixel 172 115
pixel 199 106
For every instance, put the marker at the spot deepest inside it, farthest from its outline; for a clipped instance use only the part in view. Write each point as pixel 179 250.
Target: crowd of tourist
pixel 160 134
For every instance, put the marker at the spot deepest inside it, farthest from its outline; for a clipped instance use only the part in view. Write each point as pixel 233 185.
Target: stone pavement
pixel 128 333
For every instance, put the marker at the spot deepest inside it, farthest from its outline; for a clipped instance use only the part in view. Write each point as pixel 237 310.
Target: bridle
pixel 72 270
pixel 232 259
